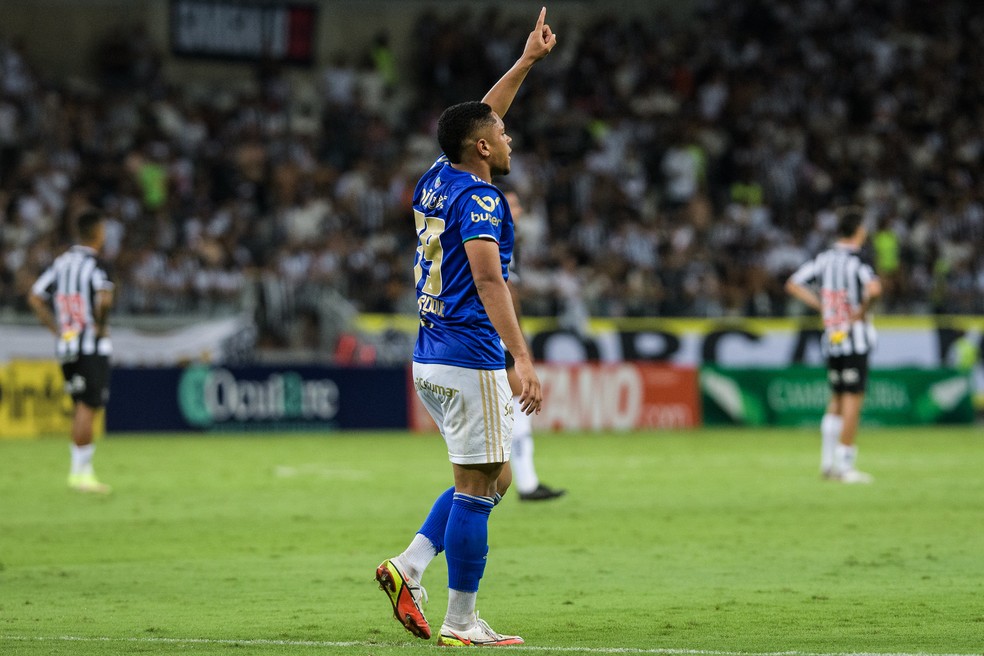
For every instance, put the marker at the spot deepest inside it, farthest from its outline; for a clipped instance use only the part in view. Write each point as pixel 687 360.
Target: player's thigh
pixel 87 380
pixel 851 373
pixel 472 408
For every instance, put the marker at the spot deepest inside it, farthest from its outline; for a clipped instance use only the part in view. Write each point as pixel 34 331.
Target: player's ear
pixel 482 146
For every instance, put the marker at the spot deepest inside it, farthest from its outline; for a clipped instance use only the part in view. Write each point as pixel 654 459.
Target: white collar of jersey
pixel 84 249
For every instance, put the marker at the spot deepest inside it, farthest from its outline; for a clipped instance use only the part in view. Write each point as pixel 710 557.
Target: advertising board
pixel 33 401
pixel 606 397
pixel 217 398
pixel 798 396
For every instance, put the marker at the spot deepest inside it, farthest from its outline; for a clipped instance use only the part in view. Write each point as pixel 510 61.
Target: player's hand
pixel 541 40
pixel 531 397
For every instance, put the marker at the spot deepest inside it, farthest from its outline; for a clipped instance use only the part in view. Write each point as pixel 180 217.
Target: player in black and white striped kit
pixel 522 469
pixel 72 298
pixel 841 285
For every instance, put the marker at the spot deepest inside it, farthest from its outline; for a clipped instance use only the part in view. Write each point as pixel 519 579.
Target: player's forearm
pixel 44 315
pixel 804 295
pixel 100 319
pixel 539 43
pixel 498 303
pixel 103 303
pixel 871 293
pixel 503 92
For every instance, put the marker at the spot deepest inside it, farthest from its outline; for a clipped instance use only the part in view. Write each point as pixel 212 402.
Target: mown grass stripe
pixel 328 643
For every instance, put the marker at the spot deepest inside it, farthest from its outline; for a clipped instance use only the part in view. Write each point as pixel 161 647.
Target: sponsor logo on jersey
pixel 430 305
pixel 476 217
pixel 487 203
pixel 431 200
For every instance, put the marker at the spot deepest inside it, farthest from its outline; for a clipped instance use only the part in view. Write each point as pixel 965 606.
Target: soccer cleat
pixel 479 635
pixel 853 476
pixel 405 595
pixel 542 493
pixel 87 482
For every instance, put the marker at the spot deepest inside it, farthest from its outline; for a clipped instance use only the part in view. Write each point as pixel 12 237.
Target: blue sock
pixel 436 523
pixel 467 541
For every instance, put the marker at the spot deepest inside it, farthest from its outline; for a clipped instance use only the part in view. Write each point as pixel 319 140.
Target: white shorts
pixel 473 409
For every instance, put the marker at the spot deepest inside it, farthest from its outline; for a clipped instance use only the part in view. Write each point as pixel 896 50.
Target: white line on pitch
pixel 322 643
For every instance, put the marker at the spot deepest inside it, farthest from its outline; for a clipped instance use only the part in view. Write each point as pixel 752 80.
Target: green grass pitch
pixel 702 542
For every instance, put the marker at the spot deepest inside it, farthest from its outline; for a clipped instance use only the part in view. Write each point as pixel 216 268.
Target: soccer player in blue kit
pixel 465 241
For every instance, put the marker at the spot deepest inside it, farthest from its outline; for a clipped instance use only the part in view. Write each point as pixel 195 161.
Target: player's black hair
pixel 88 222
pixel 458 123
pixel 848 220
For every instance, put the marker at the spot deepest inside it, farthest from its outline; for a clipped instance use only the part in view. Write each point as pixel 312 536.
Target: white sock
pixel 417 556
pixel 845 457
pixel 521 458
pixel 461 609
pixel 82 458
pixel 830 433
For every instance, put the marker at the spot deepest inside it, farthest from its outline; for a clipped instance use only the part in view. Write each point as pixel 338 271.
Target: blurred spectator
pixel 669 170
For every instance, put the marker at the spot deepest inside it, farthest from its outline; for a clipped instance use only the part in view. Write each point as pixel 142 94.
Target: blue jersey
pixel 451 207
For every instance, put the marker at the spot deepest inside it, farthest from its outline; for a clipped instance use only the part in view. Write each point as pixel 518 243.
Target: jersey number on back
pixel 429 229
pixel 71 314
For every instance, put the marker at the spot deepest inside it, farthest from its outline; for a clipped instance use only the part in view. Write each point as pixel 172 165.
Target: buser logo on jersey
pixel 485 216
pixel 487 203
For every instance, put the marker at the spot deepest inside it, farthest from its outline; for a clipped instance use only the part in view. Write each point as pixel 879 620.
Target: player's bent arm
pixel 104 300
pixel 41 310
pixel 538 45
pixel 483 259
pixel 872 290
pixel 804 294
pixel 486 268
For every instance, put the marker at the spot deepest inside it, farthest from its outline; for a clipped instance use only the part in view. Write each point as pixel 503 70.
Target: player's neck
pixel 479 169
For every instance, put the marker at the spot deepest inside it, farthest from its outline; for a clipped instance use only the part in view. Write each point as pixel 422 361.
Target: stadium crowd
pixel 666 169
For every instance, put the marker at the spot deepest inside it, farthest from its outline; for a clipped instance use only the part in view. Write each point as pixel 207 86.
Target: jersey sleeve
pixel 482 213
pixel 805 274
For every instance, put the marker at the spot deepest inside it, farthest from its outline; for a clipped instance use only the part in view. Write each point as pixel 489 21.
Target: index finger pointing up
pixel 543 16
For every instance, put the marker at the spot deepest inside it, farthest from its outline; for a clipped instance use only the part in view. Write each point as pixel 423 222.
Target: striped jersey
pixel 71 285
pixel 452 207
pixel 839 274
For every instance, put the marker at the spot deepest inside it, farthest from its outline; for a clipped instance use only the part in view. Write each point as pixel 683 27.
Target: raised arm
pixel 538 45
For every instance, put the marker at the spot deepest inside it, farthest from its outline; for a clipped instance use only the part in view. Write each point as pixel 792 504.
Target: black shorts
pixel 847 374
pixel 87 380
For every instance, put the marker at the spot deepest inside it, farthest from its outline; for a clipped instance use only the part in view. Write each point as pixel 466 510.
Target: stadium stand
pixel 667 170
